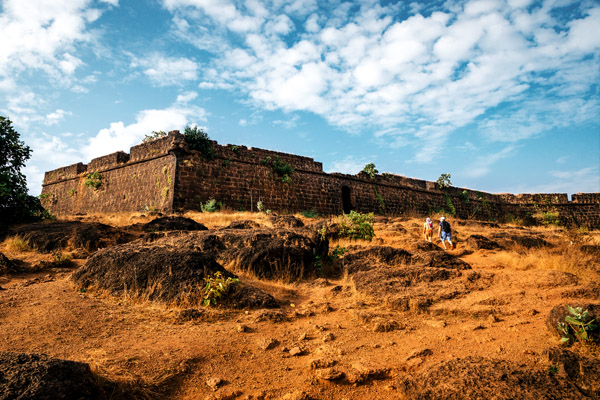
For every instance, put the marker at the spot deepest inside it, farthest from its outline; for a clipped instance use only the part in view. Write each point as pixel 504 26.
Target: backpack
pixel 445 226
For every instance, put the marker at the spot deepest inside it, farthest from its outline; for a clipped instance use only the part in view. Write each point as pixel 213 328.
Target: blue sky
pixel 504 95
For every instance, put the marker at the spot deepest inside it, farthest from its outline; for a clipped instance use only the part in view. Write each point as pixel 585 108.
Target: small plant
pixel 209 206
pixel 337 252
pixel 380 201
pixel 235 149
pixel 154 136
pixel 198 140
pixel 260 206
pixel 310 214
pixel 62 260
pixel 357 225
pixel 322 232
pixel 226 163
pixel 318 263
pixel 451 209
pixel 553 369
pixel 72 192
pixel 577 325
pixel 283 170
pixel 93 180
pixel 17 244
pixel 464 196
pixel 370 170
pixel 444 181
pixel 216 287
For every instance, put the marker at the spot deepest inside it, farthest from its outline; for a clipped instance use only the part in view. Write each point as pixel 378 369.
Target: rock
pixel 296 351
pixel 364 260
pixel 243 328
pixel 328 337
pixel 268 343
pixel 435 323
pixel 302 337
pixel 297 395
pixel 484 378
pixel 215 382
pixel 38 376
pixel 244 224
pixel 172 224
pixel 591 249
pixel 226 395
pixel 285 221
pixel 492 319
pixel 321 363
pixel 386 326
pixel 479 242
pixel 420 353
pixel 362 372
pixel 329 374
pixel 65 235
pixel 581 370
pixel 7 266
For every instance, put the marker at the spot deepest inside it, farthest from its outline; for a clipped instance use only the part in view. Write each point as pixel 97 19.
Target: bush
pixel 370 170
pixel 212 205
pixel 154 136
pixel 16 205
pixel 577 325
pixel 357 225
pixel 444 181
pixel 198 140
pixel 217 287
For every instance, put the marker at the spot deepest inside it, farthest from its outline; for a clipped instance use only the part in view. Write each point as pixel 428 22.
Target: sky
pixel 502 94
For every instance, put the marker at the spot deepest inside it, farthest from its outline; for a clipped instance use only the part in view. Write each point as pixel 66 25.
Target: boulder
pixel 172 224
pixel 479 242
pixel 38 376
pixel 285 221
pixel 244 224
pixel 7 266
pixel 583 371
pixel 70 235
pixel 486 378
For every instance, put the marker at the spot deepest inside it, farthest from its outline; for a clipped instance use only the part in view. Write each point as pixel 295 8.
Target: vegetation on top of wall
pixel 370 170
pixel 16 205
pixel 198 140
pixel 444 181
pixel 154 135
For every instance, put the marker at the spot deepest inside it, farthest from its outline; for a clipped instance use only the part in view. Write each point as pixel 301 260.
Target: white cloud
pixel 482 165
pixel 349 165
pixel 120 137
pixel 357 66
pixel 583 180
pixel 56 116
pixel 186 97
pixel 166 71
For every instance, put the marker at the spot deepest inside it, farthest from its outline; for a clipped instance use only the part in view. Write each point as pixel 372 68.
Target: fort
pixel 165 175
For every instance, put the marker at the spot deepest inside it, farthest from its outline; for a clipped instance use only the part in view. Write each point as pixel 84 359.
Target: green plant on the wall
pixel 464 196
pixel 226 163
pixel 235 149
pixel 370 170
pixel 451 209
pixel 282 171
pixel 444 181
pixel 153 136
pixel 93 180
pixel 380 201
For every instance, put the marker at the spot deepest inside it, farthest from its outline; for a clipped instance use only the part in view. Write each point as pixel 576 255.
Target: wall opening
pixel 346 203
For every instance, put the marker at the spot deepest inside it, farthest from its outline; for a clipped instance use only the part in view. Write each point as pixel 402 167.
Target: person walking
pixel 445 233
pixel 428 229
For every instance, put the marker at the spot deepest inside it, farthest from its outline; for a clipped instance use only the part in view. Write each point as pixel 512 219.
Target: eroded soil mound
pixel 7 266
pixel 285 221
pixel 159 271
pixel 583 371
pixel 243 224
pixel 484 378
pixel 281 254
pixel 172 224
pixel 480 242
pixel 409 281
pixel 70 235
pixel 154 271
pixel 37 376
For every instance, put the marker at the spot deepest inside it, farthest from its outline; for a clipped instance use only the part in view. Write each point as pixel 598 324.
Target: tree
pixel 444 181
pixel 370 170
pixel 15 204
pixel 197 139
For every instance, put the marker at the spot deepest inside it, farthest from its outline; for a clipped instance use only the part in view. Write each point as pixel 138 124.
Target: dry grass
pixel 224 218
pixel 16 244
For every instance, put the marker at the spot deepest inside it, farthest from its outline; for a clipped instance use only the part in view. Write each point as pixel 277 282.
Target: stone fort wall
pixel 165 175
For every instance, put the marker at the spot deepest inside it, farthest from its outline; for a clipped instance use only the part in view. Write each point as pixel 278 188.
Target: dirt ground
pixel 327 341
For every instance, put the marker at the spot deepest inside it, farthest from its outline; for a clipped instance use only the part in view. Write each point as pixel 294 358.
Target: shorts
pixel 446 236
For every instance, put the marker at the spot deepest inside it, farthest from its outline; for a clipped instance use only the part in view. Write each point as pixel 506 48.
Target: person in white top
pixel 428 229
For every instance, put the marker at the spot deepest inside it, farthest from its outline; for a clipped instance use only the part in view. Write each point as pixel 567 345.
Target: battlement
pixel 164 174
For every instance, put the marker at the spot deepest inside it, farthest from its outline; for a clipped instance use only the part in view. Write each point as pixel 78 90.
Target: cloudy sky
pixel 504 95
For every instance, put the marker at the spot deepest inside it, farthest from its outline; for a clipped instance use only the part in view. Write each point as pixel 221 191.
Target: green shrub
pixel 217 287
pixel 209 206
pixel 370 170
pixel 444 181
pixel 357 225
pixel 198 140
pixel 153 136
pixel 283 170
pixel 380 201
pixel 451 209
pixel 310 214
pixel 577 325
pixel 93 180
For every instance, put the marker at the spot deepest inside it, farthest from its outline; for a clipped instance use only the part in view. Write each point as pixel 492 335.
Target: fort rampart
pixel 165 175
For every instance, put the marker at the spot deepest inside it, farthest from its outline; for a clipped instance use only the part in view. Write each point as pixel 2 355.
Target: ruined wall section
pixel 139 181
